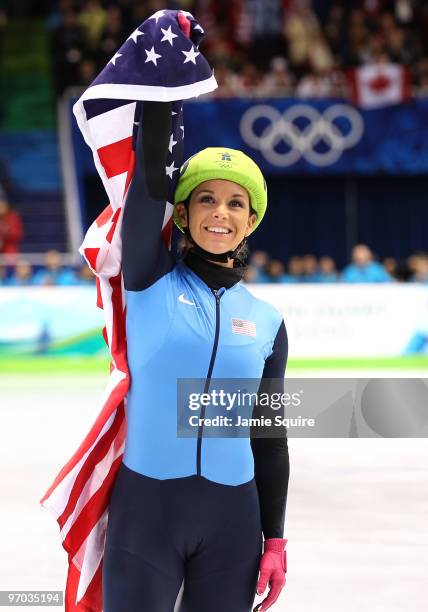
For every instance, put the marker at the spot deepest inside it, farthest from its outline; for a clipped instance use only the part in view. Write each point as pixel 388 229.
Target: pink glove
pixel 273 566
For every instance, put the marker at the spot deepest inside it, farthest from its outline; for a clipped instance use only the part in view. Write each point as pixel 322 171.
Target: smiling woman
pixel 191 318
pixel 218 217
pixel 220 199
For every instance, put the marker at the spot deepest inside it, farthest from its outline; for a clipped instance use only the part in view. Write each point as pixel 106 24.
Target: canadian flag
pixel 378 85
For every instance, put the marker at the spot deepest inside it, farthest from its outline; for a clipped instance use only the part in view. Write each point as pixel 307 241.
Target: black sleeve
pixel 145 258
pixel 271 460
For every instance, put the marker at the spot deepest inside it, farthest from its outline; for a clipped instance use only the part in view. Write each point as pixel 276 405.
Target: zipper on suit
pixel 217 294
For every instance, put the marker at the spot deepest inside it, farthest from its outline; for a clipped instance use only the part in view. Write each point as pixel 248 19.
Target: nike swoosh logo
pixel 183 300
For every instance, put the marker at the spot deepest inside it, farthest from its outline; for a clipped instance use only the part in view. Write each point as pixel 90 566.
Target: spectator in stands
pixel 87 72
pixel 55 18
pixel 275 271
pixel 6 183
pixel 22 274
pixel 401 47
pixel 390 265
pixel 278 81
pixel 420 273
pixel 93 19
pixel 112 36
pixel 327 270
pixel 335 27
pixel 219 47
pixel 301 29
pixel 11 230
pixel 138 11
pixel 320 57
pixel 310 269
pixel 265 20
pixel 294 270
pixel 244 40
pixel 84 275
pixel 3 275
pixel 68 46
pixel 363 268
pixel 3 24
pixel 315 86
pixel 357 39
pixel 54 273
pixel 421 76
pixel 228 82
pixel 258 262
pixel 251 275
pixel 249 79
pixel 412 265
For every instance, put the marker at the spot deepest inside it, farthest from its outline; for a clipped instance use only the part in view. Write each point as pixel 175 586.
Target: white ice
pixel 357 511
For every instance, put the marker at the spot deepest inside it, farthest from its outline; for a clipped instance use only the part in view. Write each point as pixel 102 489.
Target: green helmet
pixel 222 163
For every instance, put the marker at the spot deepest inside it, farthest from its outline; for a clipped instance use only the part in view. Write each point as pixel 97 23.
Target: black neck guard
pixel 222 257
pixel 212 274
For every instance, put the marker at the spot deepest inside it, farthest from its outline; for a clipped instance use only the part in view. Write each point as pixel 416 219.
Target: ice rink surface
pixel 357 511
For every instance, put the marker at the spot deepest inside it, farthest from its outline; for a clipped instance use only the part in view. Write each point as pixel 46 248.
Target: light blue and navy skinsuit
pixel 191 508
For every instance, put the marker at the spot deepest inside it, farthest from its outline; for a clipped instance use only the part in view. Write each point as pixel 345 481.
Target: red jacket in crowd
pixel 11 232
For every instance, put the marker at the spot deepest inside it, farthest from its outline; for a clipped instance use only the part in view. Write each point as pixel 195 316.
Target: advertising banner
pixel 50 320
pixel 293 136
pixel 331 321
pixel 339 320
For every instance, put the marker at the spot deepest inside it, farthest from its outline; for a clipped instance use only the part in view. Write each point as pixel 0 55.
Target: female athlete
pixel 194 508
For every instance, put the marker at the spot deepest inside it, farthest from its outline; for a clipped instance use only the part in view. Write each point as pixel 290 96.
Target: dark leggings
pixel 163 531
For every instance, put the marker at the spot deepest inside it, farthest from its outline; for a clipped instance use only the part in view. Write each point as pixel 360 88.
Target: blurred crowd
pixel 262 47
pixel 21 272
pixel 52 273
pixel 262 269
pixel 363 268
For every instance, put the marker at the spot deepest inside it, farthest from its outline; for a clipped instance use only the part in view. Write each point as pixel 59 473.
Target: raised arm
pixel 145 258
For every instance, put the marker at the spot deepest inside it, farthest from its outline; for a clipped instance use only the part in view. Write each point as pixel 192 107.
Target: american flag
pixel 240 326
pixel 159 61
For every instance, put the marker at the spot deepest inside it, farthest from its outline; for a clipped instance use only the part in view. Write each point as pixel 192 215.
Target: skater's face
pixel 220 215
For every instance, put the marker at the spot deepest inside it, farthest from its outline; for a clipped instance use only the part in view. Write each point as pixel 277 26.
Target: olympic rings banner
pixel 314 136
pixel 291 136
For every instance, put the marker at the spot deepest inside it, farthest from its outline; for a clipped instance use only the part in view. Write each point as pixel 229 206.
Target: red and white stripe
pixel 80 494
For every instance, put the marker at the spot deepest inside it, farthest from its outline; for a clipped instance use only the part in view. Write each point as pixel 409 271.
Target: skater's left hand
pixel 273 566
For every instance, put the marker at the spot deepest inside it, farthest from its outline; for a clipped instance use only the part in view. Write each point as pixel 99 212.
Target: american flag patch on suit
pixel 247 328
